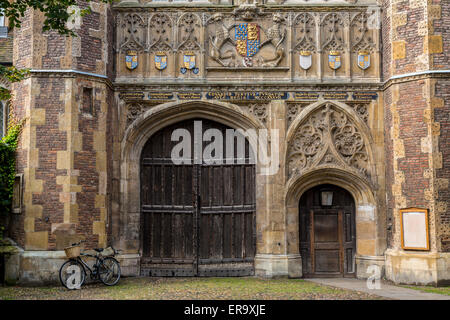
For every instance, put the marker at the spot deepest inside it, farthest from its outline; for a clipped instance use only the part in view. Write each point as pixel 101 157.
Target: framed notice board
pixel 414 229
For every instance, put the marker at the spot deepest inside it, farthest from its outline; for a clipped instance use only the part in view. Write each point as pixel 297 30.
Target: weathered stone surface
pixel 380 132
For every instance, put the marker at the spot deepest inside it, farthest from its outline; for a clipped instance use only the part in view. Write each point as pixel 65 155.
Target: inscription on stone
pixel 306 95
pixel 365 96
pixel 160 95
pixel 335 95
pixel 242 95
pixel 190 95
pixel 132 95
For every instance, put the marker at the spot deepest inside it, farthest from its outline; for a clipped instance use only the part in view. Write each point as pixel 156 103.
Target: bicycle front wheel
pixel 109 271
pixel 72 274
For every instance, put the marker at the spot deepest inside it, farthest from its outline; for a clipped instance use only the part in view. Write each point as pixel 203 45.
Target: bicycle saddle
pixel 98 249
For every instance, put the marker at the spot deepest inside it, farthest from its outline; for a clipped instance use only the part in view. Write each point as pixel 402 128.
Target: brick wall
pixel 442 27
pixel 63 154
pixel 442 115
pixel 415 39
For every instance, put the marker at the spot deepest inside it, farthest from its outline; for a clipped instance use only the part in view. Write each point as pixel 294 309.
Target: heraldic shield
pixel 131 60
pixel 305 60
pixel 334 60
pixel 189 61
pixel 160 60
pixel 364 60
pixel 247 36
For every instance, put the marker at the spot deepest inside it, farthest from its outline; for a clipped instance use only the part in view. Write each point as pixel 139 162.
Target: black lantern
pixel 326 198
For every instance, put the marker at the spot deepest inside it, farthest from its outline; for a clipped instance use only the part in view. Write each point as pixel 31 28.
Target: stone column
pixel 273 258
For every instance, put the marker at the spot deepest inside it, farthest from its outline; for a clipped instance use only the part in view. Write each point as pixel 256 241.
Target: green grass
pixel 439 290
pixel 190 288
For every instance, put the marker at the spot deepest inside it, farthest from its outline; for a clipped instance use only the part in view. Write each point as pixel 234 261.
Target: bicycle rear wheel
pixel 109 271
pixel 72 274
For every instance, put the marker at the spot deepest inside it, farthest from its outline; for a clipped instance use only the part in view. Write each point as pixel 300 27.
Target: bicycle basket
pixel 108 252
pixel 72 252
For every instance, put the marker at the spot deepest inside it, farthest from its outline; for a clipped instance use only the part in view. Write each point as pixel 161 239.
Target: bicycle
pixel 72 273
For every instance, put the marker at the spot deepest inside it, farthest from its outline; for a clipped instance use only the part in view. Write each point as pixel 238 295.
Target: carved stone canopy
pixel 328 137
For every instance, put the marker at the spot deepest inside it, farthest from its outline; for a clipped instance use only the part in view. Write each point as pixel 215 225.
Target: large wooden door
pixel 327 233
pixel 197 219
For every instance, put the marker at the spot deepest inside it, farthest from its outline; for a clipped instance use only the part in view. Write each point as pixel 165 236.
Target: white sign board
pixel 414 223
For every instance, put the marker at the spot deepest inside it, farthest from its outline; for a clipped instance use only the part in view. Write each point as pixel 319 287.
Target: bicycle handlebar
pixel 78 243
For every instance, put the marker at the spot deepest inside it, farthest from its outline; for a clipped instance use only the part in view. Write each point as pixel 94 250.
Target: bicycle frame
pixel 98 260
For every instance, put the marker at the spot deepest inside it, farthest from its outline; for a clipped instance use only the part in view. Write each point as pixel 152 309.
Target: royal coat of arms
pixel 305 60
pixel 189 63
pixel 131 60
pixel 364 60
pixel 160 61
pixel 247 36
pixel 334 60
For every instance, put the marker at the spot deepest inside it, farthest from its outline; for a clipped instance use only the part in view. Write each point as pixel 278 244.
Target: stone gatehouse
pixel 353 96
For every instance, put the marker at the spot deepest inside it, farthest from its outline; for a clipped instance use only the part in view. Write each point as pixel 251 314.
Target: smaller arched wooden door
pixel 327 232
pixel 198 218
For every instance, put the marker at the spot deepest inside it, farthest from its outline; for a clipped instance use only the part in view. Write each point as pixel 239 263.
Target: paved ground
pixel 190 289
pixel 386 290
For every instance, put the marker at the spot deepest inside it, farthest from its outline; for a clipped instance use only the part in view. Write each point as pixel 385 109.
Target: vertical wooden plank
pixel 216 250
pixel 341 241
pixel 157 241
pixel 228 186
pixel 249 250
pixel 189 234
pixel 313 260
pixel 237 235
pixel 227 236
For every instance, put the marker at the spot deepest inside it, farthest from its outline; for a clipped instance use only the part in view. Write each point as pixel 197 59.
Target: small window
pixel 17 194
pixel 3 27
pixel 88 103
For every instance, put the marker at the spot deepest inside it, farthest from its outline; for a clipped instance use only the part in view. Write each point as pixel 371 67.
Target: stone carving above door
pixel 161 35
pixel 362 36
pixel 133 32
pixel 239 40
pixel 249 38
pixel 304 30
pixel 333 32
pixel 189 32
pixel 328 137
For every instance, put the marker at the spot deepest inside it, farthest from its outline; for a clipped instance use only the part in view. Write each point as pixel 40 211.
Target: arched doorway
pixel 327 232
pixel 197 218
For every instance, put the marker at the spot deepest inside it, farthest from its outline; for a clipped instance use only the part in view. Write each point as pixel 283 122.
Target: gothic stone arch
pixel 126 221
pixel 330 135
pixel 328 144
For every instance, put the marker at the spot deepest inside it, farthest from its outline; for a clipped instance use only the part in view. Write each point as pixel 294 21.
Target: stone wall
pixel 417 175
pixel 63 152
pixel 89 113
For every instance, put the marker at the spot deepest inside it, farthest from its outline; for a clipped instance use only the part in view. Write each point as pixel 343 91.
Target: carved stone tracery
pixel 134 32
pixel 304 29
pixel 161 33
pixel 328 137
pixel 293 110
pixel 189 26
pixel 259 111
pixel 362 37
pixel 333 32
pixel 134 110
